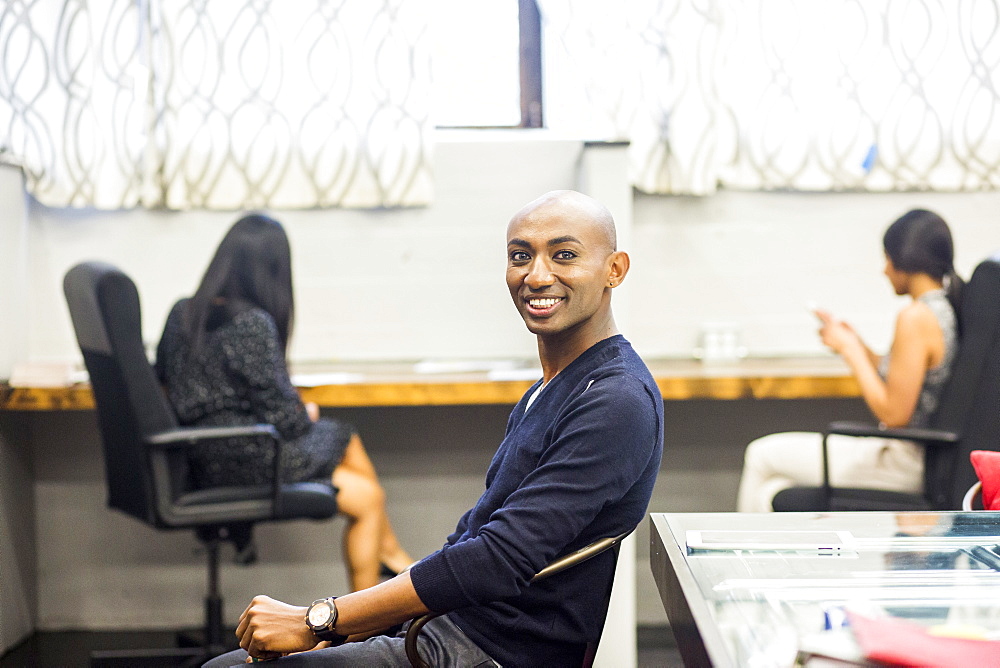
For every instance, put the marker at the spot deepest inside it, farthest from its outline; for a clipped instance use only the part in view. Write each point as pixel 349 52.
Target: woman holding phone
pixel 901 388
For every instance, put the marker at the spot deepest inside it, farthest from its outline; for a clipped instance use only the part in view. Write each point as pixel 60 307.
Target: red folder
pixel 899 642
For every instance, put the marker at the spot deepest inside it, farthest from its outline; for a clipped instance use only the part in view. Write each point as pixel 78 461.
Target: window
pixel 486 63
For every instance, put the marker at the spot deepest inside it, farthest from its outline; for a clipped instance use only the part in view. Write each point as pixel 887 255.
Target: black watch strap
pixel 330 636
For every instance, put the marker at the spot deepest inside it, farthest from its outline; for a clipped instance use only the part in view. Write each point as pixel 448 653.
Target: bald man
pixel 577 464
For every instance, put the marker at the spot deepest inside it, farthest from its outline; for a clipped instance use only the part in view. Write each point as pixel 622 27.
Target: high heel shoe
pixel 246 554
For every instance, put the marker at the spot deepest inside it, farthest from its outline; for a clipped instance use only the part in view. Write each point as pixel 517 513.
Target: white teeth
pixel 542 303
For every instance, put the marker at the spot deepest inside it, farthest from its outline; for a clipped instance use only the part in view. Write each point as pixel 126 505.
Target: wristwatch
pixel 321 618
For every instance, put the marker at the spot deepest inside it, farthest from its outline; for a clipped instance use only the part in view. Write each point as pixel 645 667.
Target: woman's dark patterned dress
pixel 240 378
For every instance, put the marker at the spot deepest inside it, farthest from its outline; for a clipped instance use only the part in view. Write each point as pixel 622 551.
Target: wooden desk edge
pixel 412 393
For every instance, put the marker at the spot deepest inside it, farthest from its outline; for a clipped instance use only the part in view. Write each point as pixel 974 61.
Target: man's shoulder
pixel 621 385
pixel 622 390
pixel 622 364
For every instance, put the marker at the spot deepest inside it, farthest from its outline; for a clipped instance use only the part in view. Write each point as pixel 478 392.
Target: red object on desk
pixel 987 466
pixel 898 642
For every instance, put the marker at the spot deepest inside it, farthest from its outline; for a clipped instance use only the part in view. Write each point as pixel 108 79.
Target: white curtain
pixel 873 95
pixel 219 105
pixel 72 100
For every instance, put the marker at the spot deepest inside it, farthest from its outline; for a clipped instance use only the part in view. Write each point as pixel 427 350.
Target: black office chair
pixel 557 566
pixel 967 419
pixel 145 449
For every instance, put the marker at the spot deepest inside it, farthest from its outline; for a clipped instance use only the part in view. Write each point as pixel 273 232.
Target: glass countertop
pixel 779 583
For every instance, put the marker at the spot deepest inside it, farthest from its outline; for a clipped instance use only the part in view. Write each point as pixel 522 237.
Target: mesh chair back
pixel 104 307
pixel 970 405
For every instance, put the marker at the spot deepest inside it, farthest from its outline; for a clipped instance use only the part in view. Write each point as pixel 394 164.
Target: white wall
pixel 14 313
pixel 384 284
pixel 428 283
pixel 756 258
pixel 17 509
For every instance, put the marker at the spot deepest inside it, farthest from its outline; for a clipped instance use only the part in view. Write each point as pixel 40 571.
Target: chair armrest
pixel 185 437
pixel 969 500
pixel 581 555
pixel 188 437
pixel 410 641
pixel 927 436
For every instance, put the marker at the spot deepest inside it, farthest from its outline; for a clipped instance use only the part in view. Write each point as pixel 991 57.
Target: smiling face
pixel 561 266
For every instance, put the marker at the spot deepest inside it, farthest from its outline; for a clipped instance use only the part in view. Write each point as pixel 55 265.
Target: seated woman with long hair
pixel 222 359
pixel 901 388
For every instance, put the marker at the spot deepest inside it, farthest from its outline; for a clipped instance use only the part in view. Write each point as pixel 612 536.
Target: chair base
pixel 149 658
pixel 194 647
pixel 190 650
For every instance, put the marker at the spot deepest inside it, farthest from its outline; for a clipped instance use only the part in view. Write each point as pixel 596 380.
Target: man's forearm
pixel 379 607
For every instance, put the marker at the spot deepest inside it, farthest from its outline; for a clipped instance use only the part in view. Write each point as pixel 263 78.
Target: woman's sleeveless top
pixel 935 380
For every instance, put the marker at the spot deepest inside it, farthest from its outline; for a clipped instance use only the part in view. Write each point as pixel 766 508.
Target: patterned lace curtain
pixel 864 95
pixel 218 105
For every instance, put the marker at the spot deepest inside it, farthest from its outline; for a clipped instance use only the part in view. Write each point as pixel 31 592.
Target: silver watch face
pixel 320 614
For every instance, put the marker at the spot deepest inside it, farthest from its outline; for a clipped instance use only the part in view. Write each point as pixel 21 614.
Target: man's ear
pixel 618 264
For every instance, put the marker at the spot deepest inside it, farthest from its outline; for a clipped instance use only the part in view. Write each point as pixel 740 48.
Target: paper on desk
pixel 45 374
pixel 462 366
pixel 326 378
pixel 515 374
pixel 832 647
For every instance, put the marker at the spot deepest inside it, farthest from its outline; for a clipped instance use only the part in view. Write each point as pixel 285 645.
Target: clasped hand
pixel 269 628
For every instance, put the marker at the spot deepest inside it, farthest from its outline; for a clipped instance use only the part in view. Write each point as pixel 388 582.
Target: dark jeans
pixel 442 644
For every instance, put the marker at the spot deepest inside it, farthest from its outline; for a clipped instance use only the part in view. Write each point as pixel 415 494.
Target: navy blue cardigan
pixel 577 466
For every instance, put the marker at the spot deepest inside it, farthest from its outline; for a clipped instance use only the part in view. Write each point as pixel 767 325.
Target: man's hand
pixel 270 628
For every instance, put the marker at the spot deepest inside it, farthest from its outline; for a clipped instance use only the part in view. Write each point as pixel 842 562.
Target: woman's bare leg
pixel 366 498
pixel 363 502
pixel 356 459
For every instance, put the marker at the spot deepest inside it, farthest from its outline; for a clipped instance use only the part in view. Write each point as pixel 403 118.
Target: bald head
pixel 573 207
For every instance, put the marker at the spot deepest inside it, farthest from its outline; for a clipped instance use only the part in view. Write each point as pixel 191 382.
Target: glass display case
pixel 777 589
